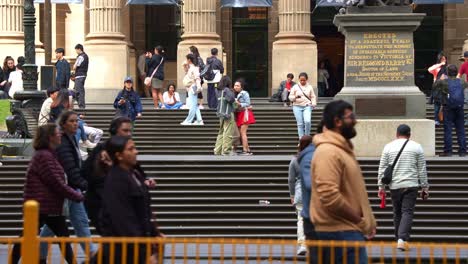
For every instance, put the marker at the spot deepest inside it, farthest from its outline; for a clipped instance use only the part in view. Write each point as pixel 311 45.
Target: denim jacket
pixel 244 99
pixel 132 105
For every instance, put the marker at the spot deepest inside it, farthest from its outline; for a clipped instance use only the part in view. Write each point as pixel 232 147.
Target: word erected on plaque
pixel 379 59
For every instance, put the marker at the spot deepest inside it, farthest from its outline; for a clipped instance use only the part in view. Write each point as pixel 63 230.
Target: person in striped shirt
pixel 409 174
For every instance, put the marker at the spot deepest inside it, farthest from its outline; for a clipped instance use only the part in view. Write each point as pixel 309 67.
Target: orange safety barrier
pixel 210 250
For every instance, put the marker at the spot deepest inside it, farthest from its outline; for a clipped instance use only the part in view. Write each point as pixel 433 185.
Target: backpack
pixel 455 96
pixel 207 73
pixel 224 109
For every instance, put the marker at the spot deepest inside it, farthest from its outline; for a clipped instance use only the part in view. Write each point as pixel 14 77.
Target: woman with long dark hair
pixel 192 83
pixel 46 183
pixel 156 71
pixel 126 208
pixel 225 113
pixel 244 116
pixel 201 65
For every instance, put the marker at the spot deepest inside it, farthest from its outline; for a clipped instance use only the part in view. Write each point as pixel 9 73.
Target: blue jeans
pixel 79 220
pixel 194 110
pixel 177 105
pixel 80 133
pixel 454 116
pixel 303 115
pixel 339 251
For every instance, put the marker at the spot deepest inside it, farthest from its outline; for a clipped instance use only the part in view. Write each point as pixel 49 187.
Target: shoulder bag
pixel 148 79
pixel 298 85
pixel 388 173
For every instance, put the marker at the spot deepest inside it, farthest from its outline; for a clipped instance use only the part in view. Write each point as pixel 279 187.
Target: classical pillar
pixel 200 31
pixel 40 52
pixel 107 50
pixel 294 50
pixel 11 28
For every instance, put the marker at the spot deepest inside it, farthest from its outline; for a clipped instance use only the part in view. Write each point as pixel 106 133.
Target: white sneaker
pixel 301 251
pixel 185 124
pixel 87 144
pixel 402 245
pixel 201 107
pixel 83 154
pixel 199 123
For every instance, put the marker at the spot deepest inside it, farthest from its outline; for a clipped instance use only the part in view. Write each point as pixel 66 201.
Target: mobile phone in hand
pixel 424 195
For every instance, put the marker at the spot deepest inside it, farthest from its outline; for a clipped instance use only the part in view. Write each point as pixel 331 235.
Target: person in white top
pixel 171 98
pixel 16 80
pixel 303 100
pixel 192 83
pixel 44 115
pixel 409 174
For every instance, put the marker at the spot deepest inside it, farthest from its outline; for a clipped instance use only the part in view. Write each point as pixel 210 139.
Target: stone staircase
pixel 200 195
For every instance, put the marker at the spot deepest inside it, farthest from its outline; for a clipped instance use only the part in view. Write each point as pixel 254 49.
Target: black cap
pixel 465 54
pixel 404 130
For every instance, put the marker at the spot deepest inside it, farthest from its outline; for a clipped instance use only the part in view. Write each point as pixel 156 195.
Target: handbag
pixel 148 79
pixel 388 173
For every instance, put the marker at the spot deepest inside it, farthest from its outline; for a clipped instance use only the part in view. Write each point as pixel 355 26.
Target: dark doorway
pixel 250 49
pixel 162 28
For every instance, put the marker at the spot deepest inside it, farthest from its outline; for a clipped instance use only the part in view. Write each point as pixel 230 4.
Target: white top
pixel 16 79
pixel 410 170
pixel 170 99
pixel 44 115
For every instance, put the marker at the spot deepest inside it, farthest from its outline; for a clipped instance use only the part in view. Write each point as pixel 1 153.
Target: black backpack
pixel 207 72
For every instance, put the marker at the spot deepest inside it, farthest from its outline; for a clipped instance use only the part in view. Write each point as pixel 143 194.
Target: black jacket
pixel 126 210
pixel 70 159
pixel 62 80
pixel 82 70
pixel 153 63
pixel 216 64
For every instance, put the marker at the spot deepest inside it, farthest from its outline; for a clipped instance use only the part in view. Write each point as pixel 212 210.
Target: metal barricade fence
pixel 210 250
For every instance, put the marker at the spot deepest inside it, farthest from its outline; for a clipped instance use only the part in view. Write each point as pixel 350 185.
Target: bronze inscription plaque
pixel 380 107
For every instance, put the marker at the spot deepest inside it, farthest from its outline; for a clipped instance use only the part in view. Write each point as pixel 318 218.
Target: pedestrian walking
pixel 46 184
pixel 127 102
pixel 340 206
pixel 304 159
pixel 171 98
pixel 244 116
pixel 80 69
pixel 304 101
pixel 192 83
pixel 409 175
pixel 126 194
pixel 295 192
pixel 438 71
pixel 451 92
pixel 62 79
pixel 156 73
pixel 68 154
pixel 225 113
pixel 216 66
pixel 201 66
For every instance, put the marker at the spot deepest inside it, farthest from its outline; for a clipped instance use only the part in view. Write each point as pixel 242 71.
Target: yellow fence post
pixel 30 247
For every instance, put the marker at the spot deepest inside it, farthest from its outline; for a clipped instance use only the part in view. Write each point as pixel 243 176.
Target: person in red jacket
pixel 45 183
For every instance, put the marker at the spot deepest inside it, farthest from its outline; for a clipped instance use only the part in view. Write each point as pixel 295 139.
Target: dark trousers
pixel 309 232
pixel 340 253
pixel 436 111
pixel 212 100
pixel 403 201
pixel 454 116
pixel 80 92
pixel 58 225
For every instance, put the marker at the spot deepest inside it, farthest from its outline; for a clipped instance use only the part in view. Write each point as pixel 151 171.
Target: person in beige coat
pixel 303 99
pixel 339 207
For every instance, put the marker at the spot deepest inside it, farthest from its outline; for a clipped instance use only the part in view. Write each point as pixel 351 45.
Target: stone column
pixel 40 52
pixel 294 50
pixel 200 31
pixel 11 28
pixel 105 45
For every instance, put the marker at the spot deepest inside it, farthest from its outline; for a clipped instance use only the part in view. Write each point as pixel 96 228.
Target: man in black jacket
pixel 62 80
pixel 218 68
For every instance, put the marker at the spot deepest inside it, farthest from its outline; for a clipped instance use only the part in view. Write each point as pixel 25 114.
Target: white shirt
pixel 16 79
pixel 44 115
pixel 410 170
pixel 170 99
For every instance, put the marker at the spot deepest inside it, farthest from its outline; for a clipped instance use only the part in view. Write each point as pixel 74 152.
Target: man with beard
pixel 339 206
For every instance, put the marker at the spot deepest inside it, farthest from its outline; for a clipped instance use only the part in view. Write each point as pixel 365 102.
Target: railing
pixel 198 250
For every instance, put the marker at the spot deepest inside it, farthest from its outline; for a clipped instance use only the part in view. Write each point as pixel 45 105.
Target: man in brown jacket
pixel 339 206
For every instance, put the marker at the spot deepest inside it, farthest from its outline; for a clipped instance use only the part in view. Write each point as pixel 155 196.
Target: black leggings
pixel 59 226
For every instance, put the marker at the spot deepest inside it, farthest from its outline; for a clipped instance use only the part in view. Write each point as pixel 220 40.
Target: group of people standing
pixel 11 77
pixel 116 186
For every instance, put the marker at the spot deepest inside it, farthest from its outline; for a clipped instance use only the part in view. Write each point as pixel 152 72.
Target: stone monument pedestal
pixel 379 76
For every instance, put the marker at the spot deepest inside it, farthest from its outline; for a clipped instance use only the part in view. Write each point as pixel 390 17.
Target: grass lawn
pixel 4 112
